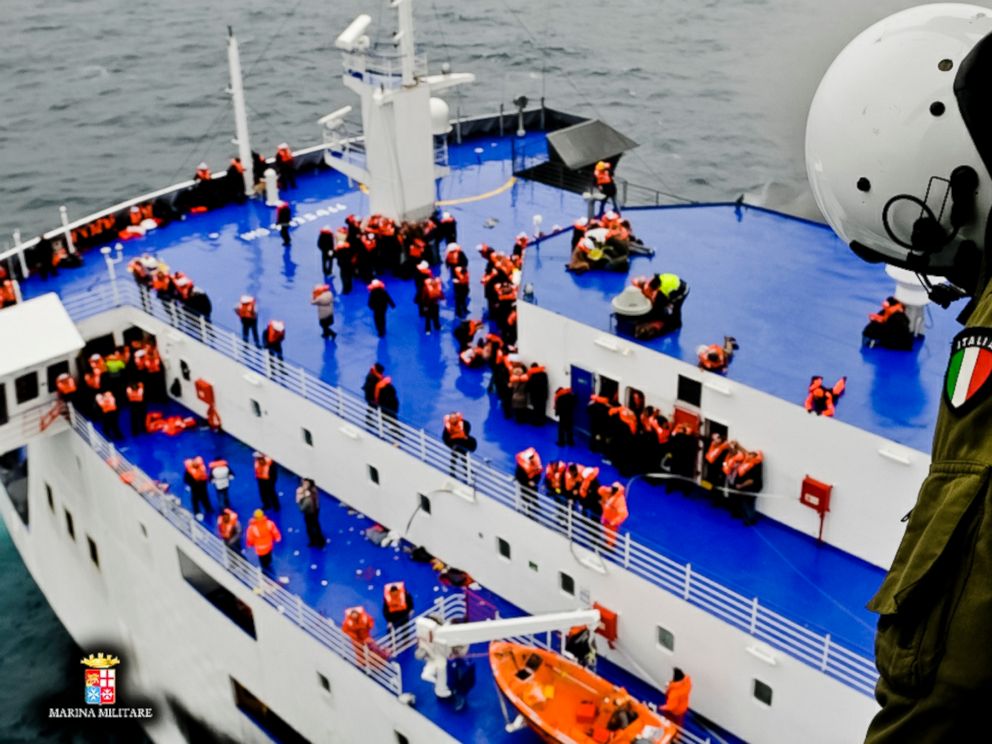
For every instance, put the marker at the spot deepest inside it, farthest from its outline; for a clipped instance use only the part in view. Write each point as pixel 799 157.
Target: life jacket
pixel 283 214
pixel 183 285
pixel 395 600
pixel 713 358
pixel 731 463
pixel 598 400
pixel 106 402
pixel 220 472
pixel 748 462
pixel 603 175
pixel 561 393
pixel 553 475
pixel 202 174
pixel 454 425
pixel 230 527
pixel 369 242
pixel 432 289
pixel 469 356
pixel 153 362
pixel 196 469
pixel 588 476
pixel 263 466
pixel 570 481
pixel 416 249
pixel 97 363
pixel 614 505
pixel 453 256
pixel 889 308
pixel 92 379
pixel 628 417
pixel 136 393
pixel 357 623
pixel 137 268
pixel 530 462
pixel 677 696
pixel 246 308
pixel 376 284
pixel 319 290
pixel 460 277
pixel 664 431
pixel 8 295
pixel 161 281
pixel 715 450
pixel 275 332
pixel 284 155
pixel 379 386
pixel 262 535
pixel 65 384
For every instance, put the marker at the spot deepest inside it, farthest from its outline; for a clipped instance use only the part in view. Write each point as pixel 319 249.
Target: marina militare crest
pixel 100 679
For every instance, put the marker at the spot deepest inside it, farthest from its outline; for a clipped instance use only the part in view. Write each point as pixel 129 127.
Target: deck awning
pixel 586 143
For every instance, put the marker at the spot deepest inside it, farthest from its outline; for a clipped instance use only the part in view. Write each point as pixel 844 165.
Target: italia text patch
pixel 969 370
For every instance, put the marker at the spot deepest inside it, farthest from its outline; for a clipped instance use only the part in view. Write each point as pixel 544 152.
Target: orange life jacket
pixel 202 174
pixel 65 384
pixel 395 600
pixel 246 308
pixel 714 451
pixel 614 505
pixel 454 425
pixel 379 386
pixel 319 290
pixel 453 256
pixel 603 176
pixel 888 310
pixel 628 417
pixel 460 277
pixel 554 474
pixel 196 469
pixel 731 463
pixel 183 285
pixel 713 358
pixel 106 402
pixel 677 696
pixel 226 529
pixel 263 465
pixel 236 164
pixel 153 362
pixel 432 289
pixel 161 281
pixel 416 249
pixel 284 155
pixel 275 332
pixel 530 462
pixel 92 380
pixel 748 462
pixel 588 476
pixel 262 535
pixel 357 624
pixel 136 393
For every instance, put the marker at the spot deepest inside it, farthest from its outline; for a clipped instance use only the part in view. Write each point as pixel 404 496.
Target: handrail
pixel 820 650
pixel 291 606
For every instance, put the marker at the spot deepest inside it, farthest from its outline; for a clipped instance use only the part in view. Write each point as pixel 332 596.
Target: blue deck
pixel 350 570
pixel 790 292
pixel 820 587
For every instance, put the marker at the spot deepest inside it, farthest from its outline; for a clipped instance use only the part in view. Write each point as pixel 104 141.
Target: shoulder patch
pixel 968 373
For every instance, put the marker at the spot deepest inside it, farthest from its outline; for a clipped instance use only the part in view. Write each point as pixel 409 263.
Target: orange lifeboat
pixel 564 702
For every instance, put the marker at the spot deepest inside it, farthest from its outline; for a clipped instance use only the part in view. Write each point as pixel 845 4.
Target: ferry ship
pixel 768 620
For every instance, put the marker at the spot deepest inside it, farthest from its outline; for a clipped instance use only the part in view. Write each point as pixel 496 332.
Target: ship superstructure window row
pixel 216 594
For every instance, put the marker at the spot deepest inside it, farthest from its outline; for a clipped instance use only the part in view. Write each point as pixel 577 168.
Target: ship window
pixel 374 474
pixel 690 391
pixel 762 692
pixel 263 716
pixel 144 530
pixel 635 400
pixel 219 596
pixel 51 497
pixel 26 387
pixel 666 639
pixel 53 372
pixel 70 526
pixel 566 583
pixel 94 554
pixel 184 370
pixel 325 683
pixel 307 437
pixel 256 408
pixel 504 547
pixel 532 566
pixel 400 738
pixel 425 503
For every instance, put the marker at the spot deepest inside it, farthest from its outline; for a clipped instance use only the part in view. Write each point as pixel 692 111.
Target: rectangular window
pixel 307 437
pixel 532 566
pixel 70 526
pixel 690 391
pixel 144 530
pixel 263 716
pixel 425 503
pixel 400 738
pixel 26 387
pixel 374 474
pixel 53 372
pixel 94 555
pixel 3 404
pixel 256 408
pixel 504 547
pixel 51 497
pixel 762 693
pixel 210 589
pixel 566 583
pixel 325 683
pixel 665 639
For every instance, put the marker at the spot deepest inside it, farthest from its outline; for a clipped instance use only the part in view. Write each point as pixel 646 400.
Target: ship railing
pixel 323 629
pixel 635 195
pixel 471 475
pixel 449 608
pixel 20 428
pixel 381 68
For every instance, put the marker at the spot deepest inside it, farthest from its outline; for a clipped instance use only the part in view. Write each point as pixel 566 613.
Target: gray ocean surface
pixel 101 100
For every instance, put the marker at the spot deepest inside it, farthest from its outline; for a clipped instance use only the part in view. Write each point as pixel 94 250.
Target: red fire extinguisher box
pixel 816 495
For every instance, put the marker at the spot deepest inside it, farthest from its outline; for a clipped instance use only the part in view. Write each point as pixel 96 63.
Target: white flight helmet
pixel 899 141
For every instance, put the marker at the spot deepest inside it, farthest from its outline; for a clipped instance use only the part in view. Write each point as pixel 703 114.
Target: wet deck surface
pixel 817 586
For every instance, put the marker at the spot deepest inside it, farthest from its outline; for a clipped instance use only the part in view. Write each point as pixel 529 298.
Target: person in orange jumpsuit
pixel 262 535
pixel 677 697
pixel 615 513
pixel 357 626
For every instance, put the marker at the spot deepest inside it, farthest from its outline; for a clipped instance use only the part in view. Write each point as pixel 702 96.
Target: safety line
pixel 479 197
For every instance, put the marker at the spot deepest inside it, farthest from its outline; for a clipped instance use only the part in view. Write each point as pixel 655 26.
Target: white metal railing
pixel 291 606
pixel 445 609
pixel 596 548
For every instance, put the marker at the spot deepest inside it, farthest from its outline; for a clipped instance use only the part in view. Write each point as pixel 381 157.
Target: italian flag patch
pixel 969 369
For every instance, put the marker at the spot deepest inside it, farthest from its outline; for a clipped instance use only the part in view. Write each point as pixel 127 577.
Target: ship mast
pixel 240 113
pixel 400 119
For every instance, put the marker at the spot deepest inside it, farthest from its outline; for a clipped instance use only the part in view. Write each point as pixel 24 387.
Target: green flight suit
pixel 934 642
